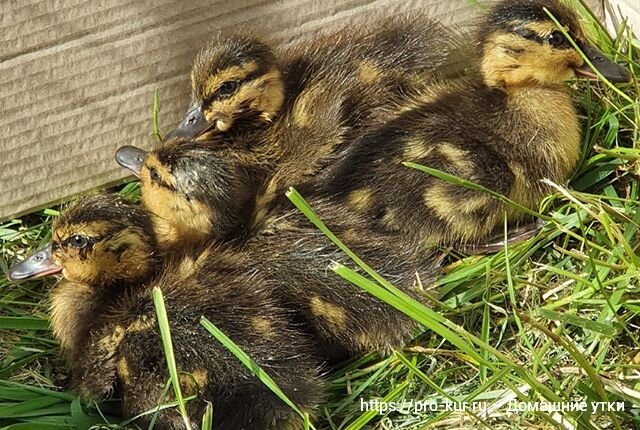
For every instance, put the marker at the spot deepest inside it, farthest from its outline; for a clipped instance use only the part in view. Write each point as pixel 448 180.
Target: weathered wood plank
pixel 77 77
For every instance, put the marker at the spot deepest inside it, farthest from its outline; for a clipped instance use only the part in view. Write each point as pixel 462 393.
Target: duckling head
pixel 194 192
pixel 100 240
pixel 233 79
pixel 521 46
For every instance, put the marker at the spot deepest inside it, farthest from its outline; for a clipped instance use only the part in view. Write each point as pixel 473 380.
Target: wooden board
pixel 77 77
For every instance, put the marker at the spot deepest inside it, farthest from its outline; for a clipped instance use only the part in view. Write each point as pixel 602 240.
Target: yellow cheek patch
pixel 137 247
pixel 98 264
pixel 222 111
pixel 77 270
pixel 513 62
pixel 334 314
pixel 361 200
pixel 128 250
pixel 264 95
pixel 176 219
pixel 270 97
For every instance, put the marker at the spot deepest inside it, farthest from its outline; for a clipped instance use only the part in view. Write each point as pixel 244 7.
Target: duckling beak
pixel 193 125
pixel 131 158
pixel 610 70
pixel 38 264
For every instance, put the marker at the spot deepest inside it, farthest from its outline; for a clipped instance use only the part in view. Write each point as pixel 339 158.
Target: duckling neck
pixel 548 116
pixel 542 125
pixel 74 306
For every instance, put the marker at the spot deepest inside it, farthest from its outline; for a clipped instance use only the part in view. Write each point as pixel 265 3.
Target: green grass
pixel 553 319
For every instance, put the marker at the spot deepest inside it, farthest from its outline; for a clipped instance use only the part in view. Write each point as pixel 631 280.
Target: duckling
pixel 103 315
pixel 274 120
pixel 284 247
pixel 197 192
pixel 240 83
pixel 290 117
pixel 506 127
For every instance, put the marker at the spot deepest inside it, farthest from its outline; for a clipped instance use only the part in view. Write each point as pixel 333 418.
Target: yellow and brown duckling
pixel 275 118
pixel 296 109
pixel 287 250
pixel 104 318
pixel 241 83
pixel 197 193
pixel 507 128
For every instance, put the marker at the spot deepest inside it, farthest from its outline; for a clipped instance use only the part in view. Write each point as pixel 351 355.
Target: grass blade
pixel 165 333
pixel 250 364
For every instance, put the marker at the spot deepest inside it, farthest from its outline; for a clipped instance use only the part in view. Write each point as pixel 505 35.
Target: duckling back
pixel 508 127
pixel 343 84
pixel 238 302
pixel 339 91
pixel 345 320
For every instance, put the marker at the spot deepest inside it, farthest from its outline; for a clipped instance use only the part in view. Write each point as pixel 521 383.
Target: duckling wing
pixel 424 208
pixel 345 320
pixel 347 83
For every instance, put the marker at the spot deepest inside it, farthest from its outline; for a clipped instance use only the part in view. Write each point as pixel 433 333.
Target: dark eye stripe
pixel 532 35
pixel 528 34
pixel 91 241
pixel 158 180
pixel 250 77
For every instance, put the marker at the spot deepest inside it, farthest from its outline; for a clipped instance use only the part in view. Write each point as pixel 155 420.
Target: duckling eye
pixel 227 88
pixel 154 175
pixel 556 39
pixel 78 241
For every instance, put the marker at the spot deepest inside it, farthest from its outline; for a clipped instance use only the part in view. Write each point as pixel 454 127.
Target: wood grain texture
pixel 77 77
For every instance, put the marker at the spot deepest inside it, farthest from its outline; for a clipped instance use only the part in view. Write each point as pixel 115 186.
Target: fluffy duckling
pixel 507 128
pixel 241 82
pixel 197 192
pixel 286 249
pixel 241 85
pixel 103 315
